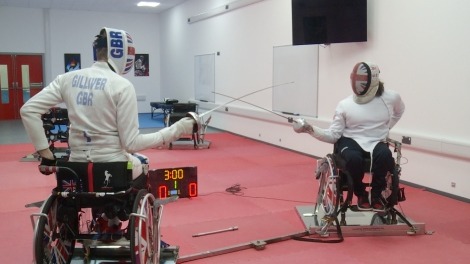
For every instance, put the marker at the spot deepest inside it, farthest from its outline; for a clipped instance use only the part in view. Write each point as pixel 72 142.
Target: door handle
pixel 39 84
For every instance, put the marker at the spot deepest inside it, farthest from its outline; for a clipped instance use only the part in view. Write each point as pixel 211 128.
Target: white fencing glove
pixel 181 127
pixel 301 126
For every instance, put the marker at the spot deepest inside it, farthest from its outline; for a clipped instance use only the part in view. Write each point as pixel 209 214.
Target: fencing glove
pixel 45 163
pixel 181 127
pixel 301 126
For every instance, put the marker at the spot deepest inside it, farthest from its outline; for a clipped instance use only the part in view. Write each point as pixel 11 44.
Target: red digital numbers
pixel 181 182
pixel 162 192
pixel 192 189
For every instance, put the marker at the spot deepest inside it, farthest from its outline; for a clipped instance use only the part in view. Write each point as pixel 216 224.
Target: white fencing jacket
pixel 102 109
pixel 367 124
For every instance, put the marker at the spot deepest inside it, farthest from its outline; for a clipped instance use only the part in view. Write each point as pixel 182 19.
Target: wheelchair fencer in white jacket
pixel 360 127
pixel 102 108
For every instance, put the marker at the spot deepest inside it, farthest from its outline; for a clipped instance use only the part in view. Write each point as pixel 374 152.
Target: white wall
pixel 55 32
pixel 420 46
pixel 22 30
pixel 246 48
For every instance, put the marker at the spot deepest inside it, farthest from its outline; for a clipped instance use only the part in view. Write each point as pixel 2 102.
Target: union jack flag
pixel 69 185
pixel 130 53
pixel 62 252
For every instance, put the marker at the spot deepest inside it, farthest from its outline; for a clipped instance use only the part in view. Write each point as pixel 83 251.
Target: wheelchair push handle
pixel 54 169
pixel 322 166
pixel 396 144
pixel 47 169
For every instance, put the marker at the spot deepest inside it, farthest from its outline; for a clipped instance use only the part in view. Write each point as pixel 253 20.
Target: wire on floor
pixel 235 189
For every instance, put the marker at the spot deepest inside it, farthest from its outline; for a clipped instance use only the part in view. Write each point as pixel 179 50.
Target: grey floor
pixel 12 132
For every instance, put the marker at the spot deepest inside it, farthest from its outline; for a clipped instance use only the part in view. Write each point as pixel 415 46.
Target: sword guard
pixel 199 128
pixel 197 124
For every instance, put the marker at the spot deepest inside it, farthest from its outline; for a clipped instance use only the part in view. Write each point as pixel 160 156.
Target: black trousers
pixel 382 162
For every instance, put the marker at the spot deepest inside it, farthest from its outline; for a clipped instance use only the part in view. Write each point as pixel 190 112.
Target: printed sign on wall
pixel 141 65
pixel 72 62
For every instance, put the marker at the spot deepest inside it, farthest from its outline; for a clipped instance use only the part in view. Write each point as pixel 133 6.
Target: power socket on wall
pixel 406 140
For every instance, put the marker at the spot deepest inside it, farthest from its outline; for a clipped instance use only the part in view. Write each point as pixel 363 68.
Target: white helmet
pixel 365 81
pixel 120 47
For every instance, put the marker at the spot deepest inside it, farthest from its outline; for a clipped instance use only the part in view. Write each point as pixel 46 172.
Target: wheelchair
pixel 56 127
pixel 335 192
pixel 181 110
pixel 73 214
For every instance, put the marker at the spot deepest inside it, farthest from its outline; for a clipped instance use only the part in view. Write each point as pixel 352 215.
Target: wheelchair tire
pixel 53 242
pixel 328 192
pixel 144 229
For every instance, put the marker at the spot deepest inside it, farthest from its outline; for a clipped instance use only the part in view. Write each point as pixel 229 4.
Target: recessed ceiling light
pixel 148 4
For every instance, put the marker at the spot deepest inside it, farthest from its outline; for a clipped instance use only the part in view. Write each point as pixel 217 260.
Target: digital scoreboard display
pixel 180 181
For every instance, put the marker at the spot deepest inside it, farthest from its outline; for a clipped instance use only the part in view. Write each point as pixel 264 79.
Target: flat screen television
pixel 328 21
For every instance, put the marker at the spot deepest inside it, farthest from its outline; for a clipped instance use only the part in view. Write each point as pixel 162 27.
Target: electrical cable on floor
pixel 405 162
pixel 235 189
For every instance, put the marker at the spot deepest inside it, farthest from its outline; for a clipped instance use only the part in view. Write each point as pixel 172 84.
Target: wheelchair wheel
pixel 378 219
pixel 144 228
pixel 53 241
pixel 328 192
pixel 390 193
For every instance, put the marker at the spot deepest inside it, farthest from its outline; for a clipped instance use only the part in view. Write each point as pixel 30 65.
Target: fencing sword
pixel 201 125
pixel 233 228
pixel 243 96
pixel 289 119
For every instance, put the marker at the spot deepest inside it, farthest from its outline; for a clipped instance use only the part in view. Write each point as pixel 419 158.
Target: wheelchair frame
pixel 63 221
pixel 53 121
pixel 197 135
pixel 335 194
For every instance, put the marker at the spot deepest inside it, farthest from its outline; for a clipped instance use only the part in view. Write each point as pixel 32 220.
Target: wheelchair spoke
pixel 329 199
pixel 143 239
pixel 328 191
pixel 53 242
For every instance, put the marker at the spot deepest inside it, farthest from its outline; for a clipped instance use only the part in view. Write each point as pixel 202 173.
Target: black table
pixel 166 108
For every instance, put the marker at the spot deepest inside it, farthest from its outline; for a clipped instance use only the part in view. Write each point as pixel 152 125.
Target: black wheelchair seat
pixel 106 185
pixel 93 177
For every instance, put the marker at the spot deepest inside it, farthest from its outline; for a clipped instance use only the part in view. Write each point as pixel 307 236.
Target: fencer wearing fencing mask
pixel 120 49
pixel 102 108
pixel 367 115
pixel 361 125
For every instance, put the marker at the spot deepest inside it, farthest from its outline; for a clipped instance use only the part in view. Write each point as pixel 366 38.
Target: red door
pixel 21 76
